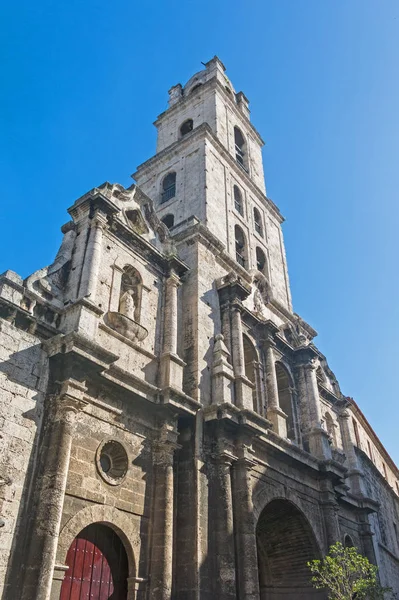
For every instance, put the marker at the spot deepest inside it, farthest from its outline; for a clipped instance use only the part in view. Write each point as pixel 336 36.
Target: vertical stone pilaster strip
pixel 170 323
pixel 330 514
pixel 237 343
pixel 245 532
pixel 161 568
pixel 52 493
pixel 91 268
pixel 225 574
pixel 313 395
pixel 271 378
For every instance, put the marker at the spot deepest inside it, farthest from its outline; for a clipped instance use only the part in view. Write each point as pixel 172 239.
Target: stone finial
pixel 243 104
pixel 220 352
pixel 175 94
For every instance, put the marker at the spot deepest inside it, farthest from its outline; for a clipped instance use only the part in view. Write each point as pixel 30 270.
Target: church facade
pixel 169 429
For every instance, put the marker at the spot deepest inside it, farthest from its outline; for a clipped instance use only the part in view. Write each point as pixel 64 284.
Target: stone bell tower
pixel 208 168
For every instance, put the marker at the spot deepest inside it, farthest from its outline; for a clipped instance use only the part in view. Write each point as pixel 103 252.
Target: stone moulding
pixel 127 327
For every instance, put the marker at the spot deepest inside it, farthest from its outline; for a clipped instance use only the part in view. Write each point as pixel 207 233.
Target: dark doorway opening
pixel 285 544
pixel 98 566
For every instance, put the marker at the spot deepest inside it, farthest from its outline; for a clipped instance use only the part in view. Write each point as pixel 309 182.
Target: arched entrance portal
pixel 98 566
pixel 285 544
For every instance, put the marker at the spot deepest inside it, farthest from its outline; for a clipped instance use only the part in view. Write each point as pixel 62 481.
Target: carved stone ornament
pixel 130 329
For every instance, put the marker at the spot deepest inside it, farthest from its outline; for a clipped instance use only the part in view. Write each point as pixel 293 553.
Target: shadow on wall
pixel 23 378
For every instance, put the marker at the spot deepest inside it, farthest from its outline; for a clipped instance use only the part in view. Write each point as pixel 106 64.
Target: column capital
pixel 173 278
pixel 70 400
pixel 224 458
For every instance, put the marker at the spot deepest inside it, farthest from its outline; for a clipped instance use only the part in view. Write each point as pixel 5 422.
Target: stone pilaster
pixel 91 266
pixel 243 386
pixel 161 567
pixel 366 535
pixel 274 412
pixel 315 435
pixel 245 531
pixel 223 529
pixel 330 510
pixel 171 364
pixel 41 563
pixel 355 475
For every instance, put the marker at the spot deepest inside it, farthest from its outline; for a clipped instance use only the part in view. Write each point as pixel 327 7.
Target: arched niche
pixel 285 543
pixel 285 395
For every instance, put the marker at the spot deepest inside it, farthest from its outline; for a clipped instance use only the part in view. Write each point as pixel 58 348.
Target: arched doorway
pixel 98 566
pixel 285 544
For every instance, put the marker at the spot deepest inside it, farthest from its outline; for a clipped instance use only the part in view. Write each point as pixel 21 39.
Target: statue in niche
pixel 129 302
pixel 127 305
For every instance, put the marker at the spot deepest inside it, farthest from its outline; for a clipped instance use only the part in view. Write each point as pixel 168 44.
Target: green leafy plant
pixel 347 575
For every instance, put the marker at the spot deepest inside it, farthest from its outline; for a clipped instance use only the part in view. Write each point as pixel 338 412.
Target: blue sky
pixel 82 83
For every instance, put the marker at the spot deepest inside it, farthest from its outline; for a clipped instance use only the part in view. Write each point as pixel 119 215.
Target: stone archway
pixel 285 543
pixel 97 566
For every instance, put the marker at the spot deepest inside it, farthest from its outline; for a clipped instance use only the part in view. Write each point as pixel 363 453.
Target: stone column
pixel 237 343
pixel 41 564
pixel 223 529
pixel 170 322
pixel 162 527
pixel 171 364
pixel 366 535
pixel 226 325
pixel 318 438
pixel 91 266
pixel 330 510
pixel 243 387
pixel 355 475
pixel 274 413
pixel 245 531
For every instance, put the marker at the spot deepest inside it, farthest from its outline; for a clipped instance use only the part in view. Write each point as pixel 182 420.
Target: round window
pixel 112 462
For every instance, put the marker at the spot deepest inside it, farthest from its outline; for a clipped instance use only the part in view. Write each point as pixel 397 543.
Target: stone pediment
pixel 138 214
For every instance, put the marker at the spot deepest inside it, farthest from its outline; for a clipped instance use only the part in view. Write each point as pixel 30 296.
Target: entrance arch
pixel 98 566
pixel 285 543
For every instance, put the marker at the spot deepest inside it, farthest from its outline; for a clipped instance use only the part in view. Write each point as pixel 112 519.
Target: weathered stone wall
pixel 23 382
pixel 384 523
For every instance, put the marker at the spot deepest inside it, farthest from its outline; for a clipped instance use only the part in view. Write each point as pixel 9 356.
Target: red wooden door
pixel 97 566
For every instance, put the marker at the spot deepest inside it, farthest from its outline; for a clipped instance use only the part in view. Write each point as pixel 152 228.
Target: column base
pixel 244 393
pixel 319 443
pixel 172 371
pixel 278 418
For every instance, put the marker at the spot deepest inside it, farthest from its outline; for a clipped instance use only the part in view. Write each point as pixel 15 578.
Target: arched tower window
pixel 238 203
pixel 241 246
pixel 196 87
pixel 330 426
pixel 240 148
pixel 261 261
pixel 285 389
pixel 348 542
pixel 168 187
pixel 250 360
pixel 258 222
pixel 186 127
pixel 168 220
pixel 130 294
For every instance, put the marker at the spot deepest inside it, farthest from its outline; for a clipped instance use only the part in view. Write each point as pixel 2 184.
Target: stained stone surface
pixel 244 458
